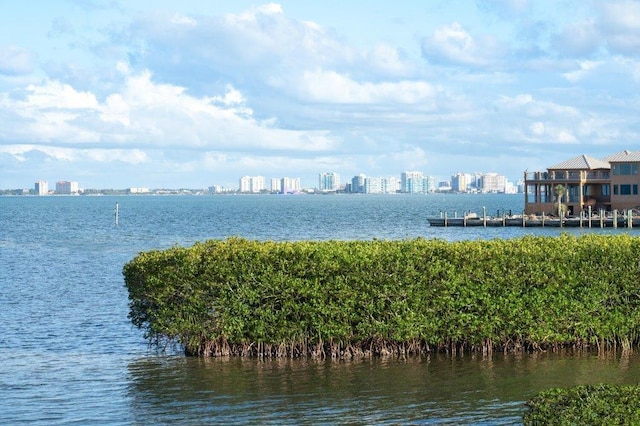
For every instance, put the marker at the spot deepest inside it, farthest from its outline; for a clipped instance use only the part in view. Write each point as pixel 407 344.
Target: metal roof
pixel 630 156
pixel 582 162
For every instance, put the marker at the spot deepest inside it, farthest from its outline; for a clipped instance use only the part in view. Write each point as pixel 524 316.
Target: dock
pixel 603 219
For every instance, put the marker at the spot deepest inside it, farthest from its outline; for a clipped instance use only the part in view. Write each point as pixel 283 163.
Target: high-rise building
pixel 411 182
pixel 41 187
pixel 276 185
pixel 357 184
pixel 493 182
pixel 460 182
pixel 253 184
pixel 373 185
pixel 391 185
pixel 429 184
pixel 289 185
pixel 329 182
pixel 66 187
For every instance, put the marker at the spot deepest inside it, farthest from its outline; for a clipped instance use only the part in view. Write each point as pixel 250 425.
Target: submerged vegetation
pixel 600 404
pixel 338 299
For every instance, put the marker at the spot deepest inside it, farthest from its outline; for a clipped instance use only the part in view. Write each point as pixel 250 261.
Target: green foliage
pixel 344 298
pixel 585 405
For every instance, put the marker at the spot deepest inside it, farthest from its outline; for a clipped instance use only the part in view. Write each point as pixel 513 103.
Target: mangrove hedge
pixel 351 298
pixel 585 405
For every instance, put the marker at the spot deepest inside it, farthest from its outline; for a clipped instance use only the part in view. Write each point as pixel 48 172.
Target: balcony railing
pixel 567 175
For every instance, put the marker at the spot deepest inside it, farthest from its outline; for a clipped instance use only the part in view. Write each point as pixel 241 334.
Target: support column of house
pixel 526 190
pixel 583 180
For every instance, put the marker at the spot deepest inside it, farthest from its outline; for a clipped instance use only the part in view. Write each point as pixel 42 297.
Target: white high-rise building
pixel 460 182
pixel 329 182
pixel 288 185
pixel 373 185
pixel 391 185
pixel 493 182
pixel 42 187
pixel 276 185
pixel 252 184
pixel 411 182
pixel 66 187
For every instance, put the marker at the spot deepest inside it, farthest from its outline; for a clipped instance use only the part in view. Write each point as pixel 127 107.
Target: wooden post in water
pixel 601 218
pixel 629 218
pixel 615 218
pixel 484 216
pixel 524 222
pixel 543 219
pixel 116 214
pixel 589 216
pixel 445 219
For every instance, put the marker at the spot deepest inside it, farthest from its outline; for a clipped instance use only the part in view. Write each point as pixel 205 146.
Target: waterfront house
pixel 625 180
pixel 606 184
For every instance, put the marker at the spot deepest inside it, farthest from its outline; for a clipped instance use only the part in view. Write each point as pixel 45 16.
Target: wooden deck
pixel 614 221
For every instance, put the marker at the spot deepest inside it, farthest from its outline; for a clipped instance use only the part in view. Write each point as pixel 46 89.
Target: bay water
pixel 69 354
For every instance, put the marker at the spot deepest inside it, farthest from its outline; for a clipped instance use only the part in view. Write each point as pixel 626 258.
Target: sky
pixel 193 93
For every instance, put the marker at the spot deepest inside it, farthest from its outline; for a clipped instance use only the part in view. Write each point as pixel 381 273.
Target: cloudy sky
pixel 191 93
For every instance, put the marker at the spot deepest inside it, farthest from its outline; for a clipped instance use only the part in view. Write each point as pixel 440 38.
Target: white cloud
pixel 620 23
pixel 388 59
pixel 537 128
pixel 332 87
pixel 585 68
pixel 183 20
pixel 453 44
pixel 56 95
pixel 145 113
pixel 130 156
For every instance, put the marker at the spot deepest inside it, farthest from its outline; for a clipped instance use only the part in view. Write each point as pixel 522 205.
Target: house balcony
pixel 568 176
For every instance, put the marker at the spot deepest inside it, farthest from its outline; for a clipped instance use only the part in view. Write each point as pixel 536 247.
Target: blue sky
pixel 158 93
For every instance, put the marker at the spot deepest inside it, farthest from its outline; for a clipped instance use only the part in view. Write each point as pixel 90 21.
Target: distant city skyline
pixel 325 181
pixel 162 93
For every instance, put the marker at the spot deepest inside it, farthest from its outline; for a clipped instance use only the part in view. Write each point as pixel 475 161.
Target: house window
pixel 615 189
pixel 625 169
pixel 634 189
pixel 605 190
pixel 625 189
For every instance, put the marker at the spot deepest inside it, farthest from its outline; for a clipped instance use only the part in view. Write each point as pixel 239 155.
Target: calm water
pixel 69 355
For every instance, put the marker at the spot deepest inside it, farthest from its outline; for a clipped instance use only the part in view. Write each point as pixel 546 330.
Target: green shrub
pixel 350 298
pixel 585 405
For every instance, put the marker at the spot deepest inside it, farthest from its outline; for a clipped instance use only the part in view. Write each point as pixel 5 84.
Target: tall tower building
pixel 411 182
pixel 252 184
pixel 289 185
pixel 329 182
pixel 42 187
pixel 357 183
pixel 66 187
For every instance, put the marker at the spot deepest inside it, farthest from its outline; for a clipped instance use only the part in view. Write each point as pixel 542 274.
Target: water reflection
pixel 437 389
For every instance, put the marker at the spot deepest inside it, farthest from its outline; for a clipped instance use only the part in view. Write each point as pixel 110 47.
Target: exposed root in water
pixel 378 347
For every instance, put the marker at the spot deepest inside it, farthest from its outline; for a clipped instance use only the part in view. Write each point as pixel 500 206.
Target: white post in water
pixel 116 214
pixel 484 216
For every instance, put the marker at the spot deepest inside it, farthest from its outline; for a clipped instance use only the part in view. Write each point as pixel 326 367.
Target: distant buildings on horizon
pixel 410 182
pixel 63 187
